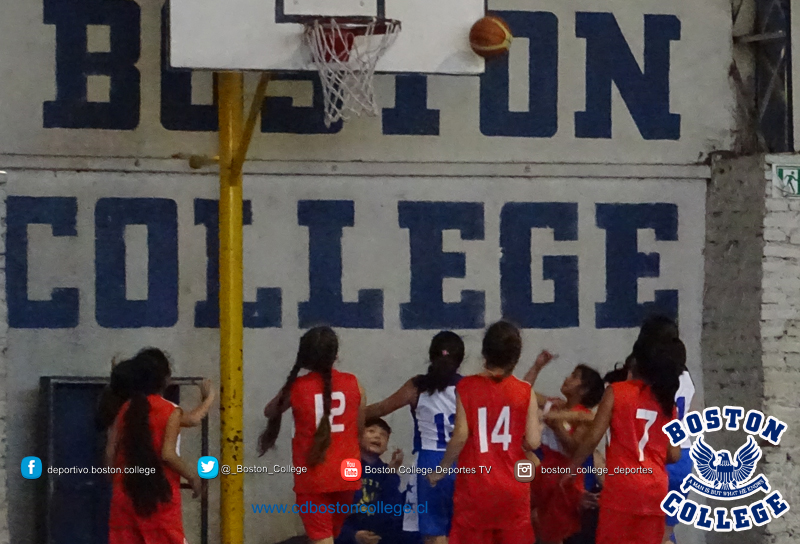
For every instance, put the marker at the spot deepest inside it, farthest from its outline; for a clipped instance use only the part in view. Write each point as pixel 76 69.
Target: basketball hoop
pixel 345 51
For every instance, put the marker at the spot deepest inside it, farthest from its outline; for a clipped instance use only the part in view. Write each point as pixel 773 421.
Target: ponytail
pixel 270 435
pixel 146 491
pixel 317 352
pixel 446 354
pixel 126 377
pixel 322 436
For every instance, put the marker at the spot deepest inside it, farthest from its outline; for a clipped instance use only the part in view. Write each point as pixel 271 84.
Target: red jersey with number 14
pixel 496 416
pixel 638 446
pixel 307 409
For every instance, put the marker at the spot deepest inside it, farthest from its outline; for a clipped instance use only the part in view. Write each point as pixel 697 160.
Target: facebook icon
pixel 31 468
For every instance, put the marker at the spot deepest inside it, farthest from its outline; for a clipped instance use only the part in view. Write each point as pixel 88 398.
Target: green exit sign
pixel 787 179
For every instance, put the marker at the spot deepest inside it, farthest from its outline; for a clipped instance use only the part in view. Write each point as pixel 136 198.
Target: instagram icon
pixel 351 469
pixel 523 471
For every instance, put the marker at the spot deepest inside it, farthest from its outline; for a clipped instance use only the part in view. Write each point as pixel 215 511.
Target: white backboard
pixel 266 34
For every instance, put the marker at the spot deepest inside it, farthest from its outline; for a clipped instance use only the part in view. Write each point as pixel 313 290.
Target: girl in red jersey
pixel 146 508
pixel 557 510
pixel 126 377
pixel 638 450
pixel 328 409
pixel 497 425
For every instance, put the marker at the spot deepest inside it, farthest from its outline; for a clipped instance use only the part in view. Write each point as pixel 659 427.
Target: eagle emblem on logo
pixel 725 474
pixel 722 475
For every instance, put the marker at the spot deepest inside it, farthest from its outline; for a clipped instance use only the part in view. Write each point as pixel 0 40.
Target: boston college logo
pixel 722 476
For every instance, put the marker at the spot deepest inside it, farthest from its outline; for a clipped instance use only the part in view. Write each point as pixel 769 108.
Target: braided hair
pixel 317 352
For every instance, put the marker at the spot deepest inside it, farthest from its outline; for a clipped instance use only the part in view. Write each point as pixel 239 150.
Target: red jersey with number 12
pixel 496 416
pixel 307 409
pixel 637 444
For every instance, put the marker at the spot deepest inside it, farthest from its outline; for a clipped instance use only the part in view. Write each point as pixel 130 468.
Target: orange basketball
pixel 490 37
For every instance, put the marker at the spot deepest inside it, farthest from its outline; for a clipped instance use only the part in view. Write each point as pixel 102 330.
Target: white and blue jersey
pixel 683 399
pixel 678 471
pixel 434 419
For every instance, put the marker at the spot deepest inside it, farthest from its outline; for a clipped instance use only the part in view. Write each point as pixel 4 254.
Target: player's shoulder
pixel 626 387
pixel 520 384
pixel 470 380
pixel 625 391
pixel 160 405
pixel 343 375
pixel 685 380
pixel 469 384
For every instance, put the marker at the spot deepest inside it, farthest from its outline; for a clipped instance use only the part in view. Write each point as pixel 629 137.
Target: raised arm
pixel 596 430
pixel 533 427
pixel 404 396
pixel 533 374
pixel 194 417
pixel 570 416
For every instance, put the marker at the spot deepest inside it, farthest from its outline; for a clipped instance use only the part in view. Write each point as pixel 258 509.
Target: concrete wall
pixel 751 321
pixel 780 333
pixel 583 266
pixel 731 338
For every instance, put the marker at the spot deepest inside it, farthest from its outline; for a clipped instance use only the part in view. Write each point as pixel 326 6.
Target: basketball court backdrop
pixel 562 186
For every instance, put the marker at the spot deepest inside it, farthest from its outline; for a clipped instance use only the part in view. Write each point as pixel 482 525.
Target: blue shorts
pixel 677 472
pixel 435 519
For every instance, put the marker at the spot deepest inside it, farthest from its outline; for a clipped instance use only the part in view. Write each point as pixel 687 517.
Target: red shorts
pixel 615 527
pixel 558 508
pixel 326 524
pixel 134 535
pixel 520 533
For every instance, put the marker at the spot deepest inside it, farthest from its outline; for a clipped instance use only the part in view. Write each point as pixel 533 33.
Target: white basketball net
pixel 345 54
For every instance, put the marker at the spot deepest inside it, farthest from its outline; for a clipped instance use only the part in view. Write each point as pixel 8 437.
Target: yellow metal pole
pixel 231 107
pixel 255 107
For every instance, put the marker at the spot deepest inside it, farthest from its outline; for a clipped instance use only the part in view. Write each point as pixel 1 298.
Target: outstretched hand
pixel 206 388
pixel 543 359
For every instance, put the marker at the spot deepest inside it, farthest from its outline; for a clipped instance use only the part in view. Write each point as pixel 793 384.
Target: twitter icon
pixel 207 467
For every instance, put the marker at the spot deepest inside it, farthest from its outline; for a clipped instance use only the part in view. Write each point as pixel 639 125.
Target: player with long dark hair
pixel 325 403
pixel 637 453
pixel 128 375
pixel 497 425
pixel 660 328
pixel 432 399
pixel 146 496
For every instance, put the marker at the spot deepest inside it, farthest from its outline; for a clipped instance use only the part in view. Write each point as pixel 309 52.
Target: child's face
pixel 375 440
pixel 572 385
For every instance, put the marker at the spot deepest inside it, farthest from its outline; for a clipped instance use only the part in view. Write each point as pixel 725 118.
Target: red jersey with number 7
pixel 496 416
pixel 636 454
pixel 307 409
